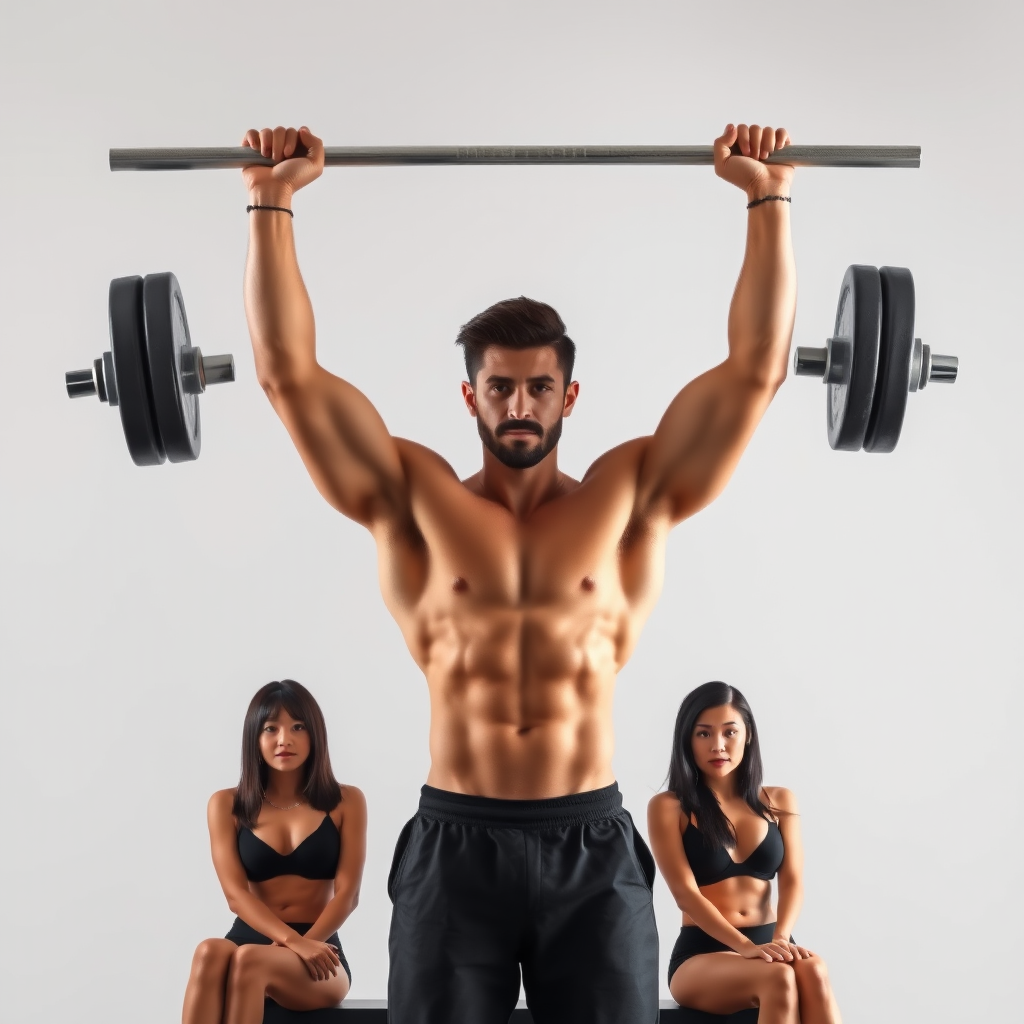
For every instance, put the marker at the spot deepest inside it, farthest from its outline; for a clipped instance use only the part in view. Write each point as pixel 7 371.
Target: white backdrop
pixel 868 606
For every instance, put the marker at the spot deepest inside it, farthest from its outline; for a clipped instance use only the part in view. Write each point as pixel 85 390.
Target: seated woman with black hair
pixel 719 838
pixel 288 845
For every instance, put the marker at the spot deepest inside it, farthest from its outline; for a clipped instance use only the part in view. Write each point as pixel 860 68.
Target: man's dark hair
pixel 516 323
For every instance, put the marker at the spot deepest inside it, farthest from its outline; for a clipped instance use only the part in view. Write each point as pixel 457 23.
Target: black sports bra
pixel 710 866
pixel 315 857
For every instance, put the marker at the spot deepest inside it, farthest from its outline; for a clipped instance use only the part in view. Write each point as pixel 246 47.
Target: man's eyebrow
pixel 543 378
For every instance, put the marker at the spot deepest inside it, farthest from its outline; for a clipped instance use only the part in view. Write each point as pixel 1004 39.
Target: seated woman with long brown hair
pixel 719 837
pixel 288 845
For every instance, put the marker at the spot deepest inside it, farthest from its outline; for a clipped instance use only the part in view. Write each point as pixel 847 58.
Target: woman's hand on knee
pixel 770 952
pixel 321 958
pixel 799 953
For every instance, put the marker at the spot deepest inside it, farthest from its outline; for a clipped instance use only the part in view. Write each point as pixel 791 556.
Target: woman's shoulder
pixel 663 801
pixel 352 799
pixel 220 805
pixel 781 799
pixel 664 808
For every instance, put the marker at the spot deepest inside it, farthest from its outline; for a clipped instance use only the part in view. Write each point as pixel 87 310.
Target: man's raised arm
pixel 703 433
pixel 341 437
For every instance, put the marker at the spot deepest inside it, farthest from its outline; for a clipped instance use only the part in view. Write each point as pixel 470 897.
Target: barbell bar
pixel 209 158
pixel 926 365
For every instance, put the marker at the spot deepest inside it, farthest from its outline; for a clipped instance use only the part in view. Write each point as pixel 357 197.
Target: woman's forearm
pixel 334 915
pixel 791 898
pixel 709 918
pixel 256 914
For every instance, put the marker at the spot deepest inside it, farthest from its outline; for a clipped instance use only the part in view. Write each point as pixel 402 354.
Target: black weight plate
pixel 896 348
pixel 131 371
pixel 177 412
pixel 858 316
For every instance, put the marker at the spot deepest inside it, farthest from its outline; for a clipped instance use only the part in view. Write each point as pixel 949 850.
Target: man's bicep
pixel 699 441
pixel 351 457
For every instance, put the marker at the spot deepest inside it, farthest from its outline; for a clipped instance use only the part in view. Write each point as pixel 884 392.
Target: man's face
pixel 519 399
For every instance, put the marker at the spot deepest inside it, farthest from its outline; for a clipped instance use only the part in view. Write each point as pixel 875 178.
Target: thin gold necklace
pixel 279 807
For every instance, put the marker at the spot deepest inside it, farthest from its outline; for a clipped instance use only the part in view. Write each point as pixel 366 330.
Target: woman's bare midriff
pixel 295 900
pixel 743 901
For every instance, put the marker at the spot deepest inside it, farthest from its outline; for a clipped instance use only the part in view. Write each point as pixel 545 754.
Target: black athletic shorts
pixel 242 934
pixel 559 887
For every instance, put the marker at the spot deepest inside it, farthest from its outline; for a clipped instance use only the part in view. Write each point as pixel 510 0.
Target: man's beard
pixel 520 454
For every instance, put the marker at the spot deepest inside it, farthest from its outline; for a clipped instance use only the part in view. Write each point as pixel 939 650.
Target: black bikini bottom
pixel 242 935
pixel 693 941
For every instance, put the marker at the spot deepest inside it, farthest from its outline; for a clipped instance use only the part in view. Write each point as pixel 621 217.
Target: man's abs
pixel 521 625
pixel 521 701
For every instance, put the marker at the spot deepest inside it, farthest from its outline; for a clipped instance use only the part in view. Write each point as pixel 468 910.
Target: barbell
pixel 155 376
pixel 202 158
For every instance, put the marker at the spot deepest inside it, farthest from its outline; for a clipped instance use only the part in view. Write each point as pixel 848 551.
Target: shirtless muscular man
pixel 520 593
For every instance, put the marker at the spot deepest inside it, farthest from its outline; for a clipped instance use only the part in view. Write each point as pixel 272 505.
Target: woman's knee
pixel 777 986
pixel 248 966
pixel 212 957
pixel 812 974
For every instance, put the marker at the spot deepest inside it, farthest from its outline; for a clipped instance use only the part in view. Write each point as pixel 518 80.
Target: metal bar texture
pixel 187 159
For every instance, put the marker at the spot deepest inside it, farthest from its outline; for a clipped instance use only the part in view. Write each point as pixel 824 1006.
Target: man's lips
pixel 519 430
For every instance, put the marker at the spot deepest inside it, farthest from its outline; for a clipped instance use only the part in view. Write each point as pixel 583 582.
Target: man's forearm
pixel 277 305
pixel 764 303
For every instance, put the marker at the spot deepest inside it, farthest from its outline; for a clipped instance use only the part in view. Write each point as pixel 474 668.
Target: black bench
pixel 374 1011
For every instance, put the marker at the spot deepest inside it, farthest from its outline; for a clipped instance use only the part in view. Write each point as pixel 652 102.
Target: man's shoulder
pixel 628 455
pixel 418 458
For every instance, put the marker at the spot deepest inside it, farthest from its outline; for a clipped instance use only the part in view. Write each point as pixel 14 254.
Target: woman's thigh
pixel 724 982
pixel 286 979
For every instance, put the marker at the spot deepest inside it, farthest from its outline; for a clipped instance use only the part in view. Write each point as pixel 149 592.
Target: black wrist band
pixel 768 199
pixel 280 209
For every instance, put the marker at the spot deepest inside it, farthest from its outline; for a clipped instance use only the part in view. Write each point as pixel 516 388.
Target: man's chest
pixel 571 548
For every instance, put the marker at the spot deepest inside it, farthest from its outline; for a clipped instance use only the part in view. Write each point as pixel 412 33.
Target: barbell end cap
pixel 218 369
pixel 944 369
pixel 80 383
pixel 810 362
